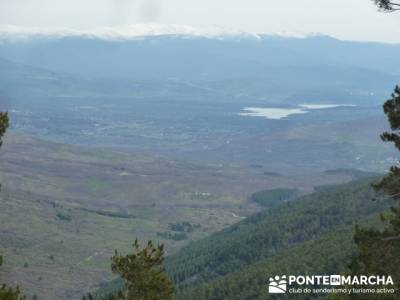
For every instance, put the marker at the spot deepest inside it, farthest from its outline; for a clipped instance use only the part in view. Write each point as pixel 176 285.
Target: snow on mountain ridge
pixel 136 31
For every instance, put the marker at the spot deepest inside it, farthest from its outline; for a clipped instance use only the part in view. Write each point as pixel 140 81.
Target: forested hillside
pixel 329 254
pixel 312 234
pixel 272 231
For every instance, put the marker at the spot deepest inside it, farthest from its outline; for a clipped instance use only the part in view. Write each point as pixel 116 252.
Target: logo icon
pixel 336 280
pixel 277 285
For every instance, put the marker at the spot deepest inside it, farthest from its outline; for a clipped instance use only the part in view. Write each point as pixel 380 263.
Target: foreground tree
pixel 379 249
pixel 388 5
pixel 4 122
pixel 142 274
pixel 391 183
pixel 7 293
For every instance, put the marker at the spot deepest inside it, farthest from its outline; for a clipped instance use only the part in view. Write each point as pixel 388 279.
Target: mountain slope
pixel 273 231
pixel 311 235
pixel 329 254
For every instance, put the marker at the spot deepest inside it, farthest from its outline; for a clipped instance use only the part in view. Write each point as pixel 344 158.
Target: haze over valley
pixel 114 137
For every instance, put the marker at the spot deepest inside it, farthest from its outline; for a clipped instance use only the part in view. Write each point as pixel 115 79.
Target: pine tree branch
pixel 394 195
pixel 391 238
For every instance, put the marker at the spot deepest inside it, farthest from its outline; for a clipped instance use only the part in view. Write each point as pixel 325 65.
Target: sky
pixel 345 19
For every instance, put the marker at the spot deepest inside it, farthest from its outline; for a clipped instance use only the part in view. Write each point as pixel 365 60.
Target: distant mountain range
pixel 134 31
pixel 183 53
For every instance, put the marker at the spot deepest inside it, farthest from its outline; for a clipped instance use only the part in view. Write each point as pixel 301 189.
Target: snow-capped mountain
pixel 135 31
pixel 183 53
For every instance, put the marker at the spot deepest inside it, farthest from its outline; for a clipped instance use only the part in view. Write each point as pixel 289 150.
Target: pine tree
pixel 379 249
pixel 7 293
pixel 391 183
pixel 388 5
pixel 142 273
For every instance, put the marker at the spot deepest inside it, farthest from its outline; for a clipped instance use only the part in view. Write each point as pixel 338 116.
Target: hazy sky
pixel 347 19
